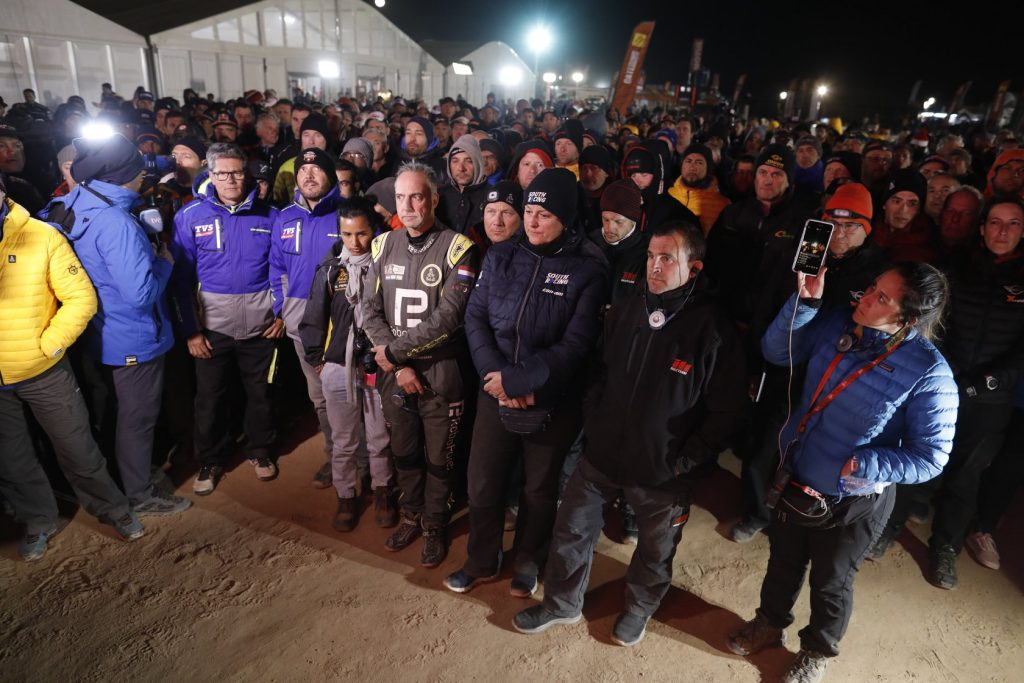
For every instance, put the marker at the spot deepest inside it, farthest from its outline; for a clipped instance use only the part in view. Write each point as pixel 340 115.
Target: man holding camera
pixel 422 277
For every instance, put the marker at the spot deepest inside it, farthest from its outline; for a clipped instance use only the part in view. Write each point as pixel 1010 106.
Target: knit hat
pixel 639 160
pixel 623 197
pixel 778 156
pixel 507 191
pixel 598 155
pixel 359 146
pixel 555 190
pixel 704 151
pixel 148 133
pixel 225 118
pixel 876 145
pixel 114 160
pixel 851 201
pixel 193 143
pixel 538 147
pixel 66 154
pixel 319 158
pixel 260 170
pixel 809 141
pixel 317 122
pixel 494 147
pixel 850 160
pixel 907 180
pixel 572 129
pixel 427 126
pixel 384 191
pixel 936 159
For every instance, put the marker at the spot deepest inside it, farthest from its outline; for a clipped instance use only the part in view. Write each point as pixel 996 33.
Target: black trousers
pixel 660 516
pixel 759 452
pixel 254 360
pixel 834 556
pixel 495 454
pixel 1000 482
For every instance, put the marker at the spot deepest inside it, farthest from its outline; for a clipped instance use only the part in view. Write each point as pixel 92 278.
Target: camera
pixel 363 352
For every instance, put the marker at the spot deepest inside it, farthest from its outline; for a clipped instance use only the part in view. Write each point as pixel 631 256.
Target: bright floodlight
pixel 577 76
pixel 549 77
pixel 462 69
pixel 510 75
pixel 783 95
pixel 822 90
pixel 328 69
pixel 96 130
pixel 539 38
pixel 929 102
pixel 378 3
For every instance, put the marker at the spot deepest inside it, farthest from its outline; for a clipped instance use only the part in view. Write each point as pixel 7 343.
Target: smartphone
pixel 810 254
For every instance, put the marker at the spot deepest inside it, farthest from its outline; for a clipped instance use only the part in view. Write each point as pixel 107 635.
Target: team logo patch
pixel 289 233
pixel 430 276
pixel 775 160
pixel 628 278
pixel 12 259
pixel 393 271
pixel 1014 294
pixel 556 279
pixel 203 230
pixel 465 274
pixel 681 366
pixel 537 198
pixel 341 281
pixel 309 156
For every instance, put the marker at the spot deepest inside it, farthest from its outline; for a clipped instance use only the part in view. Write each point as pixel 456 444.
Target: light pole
pixel 577 78
pixel 539 40
pixel 822 91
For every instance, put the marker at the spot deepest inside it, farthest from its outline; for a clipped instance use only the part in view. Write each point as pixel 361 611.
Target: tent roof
pixel 154 16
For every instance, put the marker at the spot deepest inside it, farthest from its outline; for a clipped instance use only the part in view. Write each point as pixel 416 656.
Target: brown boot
pixel 385 510
pixel 347 516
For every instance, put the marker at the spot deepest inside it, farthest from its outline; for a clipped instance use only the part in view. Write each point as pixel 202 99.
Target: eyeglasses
pixel 224 175
pixel 353 155
pixel 848 228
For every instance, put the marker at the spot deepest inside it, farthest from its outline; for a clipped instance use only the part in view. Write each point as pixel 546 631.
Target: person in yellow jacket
pixel 696 187
pixel 38 271
pixel 314 133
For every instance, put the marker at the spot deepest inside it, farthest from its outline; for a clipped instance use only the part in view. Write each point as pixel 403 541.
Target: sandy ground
pixel 252 584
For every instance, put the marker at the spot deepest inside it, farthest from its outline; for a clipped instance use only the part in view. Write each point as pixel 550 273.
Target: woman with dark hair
pixel 878 407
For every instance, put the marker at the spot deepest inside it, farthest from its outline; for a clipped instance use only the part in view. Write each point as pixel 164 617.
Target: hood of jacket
pixel 327 204
pixel 89 199
pixel 469 145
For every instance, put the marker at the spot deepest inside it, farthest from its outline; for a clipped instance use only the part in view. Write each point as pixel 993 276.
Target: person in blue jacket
pixel 879 407
pixel 532 321
pixel 131 330
pixel 303 234
pixel 221 285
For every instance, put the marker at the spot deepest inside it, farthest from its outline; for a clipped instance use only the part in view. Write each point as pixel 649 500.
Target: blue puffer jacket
pixel 132 324
pixel 536 318
pixel 222 262
pixel 299 242
pixel 897 419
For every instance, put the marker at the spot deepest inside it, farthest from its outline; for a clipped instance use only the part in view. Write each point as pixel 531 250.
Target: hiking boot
pixel 756 635
pixel 630 530
pixel 523 585
pixel 511 514
pixel 206 479
pixel 385 512
pixel 161 504
pixel 537 619
pixel 323 477
pixel 744 530
pixel 347 516
pixel 128 527
pixel 629 629
pixel 266 470
pixel 809 667
pixel 33 546
pixel 461 582
pixel 983 548
pixel 942 567
pixel 435 547
pixel 407 532
pixel 882 545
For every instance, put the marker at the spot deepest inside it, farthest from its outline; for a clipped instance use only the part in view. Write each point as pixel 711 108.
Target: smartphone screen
pixel 810 255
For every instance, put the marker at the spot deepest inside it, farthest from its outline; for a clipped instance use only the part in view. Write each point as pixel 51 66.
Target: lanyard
pixel 816 406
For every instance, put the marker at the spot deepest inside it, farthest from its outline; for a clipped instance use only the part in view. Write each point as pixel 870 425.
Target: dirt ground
pixel 252 584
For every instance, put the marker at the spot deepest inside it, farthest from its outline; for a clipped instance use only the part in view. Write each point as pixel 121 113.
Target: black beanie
pixel 320 158
pixel 193 143
pixel 850 160
pixel 555 190
pixel 507 191
pixel 704 151
pixel 907 180
pixel 624 198
pixel 778 156
pixel 573 130
pixel 639 160
pixel 426 125
pixel 114 160
pixel 317 122
pixel 599 156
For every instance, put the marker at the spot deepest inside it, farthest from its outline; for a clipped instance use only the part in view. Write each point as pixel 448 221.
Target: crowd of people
pixel 537 313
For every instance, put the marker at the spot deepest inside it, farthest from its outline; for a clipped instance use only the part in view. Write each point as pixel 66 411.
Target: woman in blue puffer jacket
pixel 878 407
pixel 532 322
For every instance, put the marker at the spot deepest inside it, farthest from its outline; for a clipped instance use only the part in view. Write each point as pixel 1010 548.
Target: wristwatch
pixel 991 383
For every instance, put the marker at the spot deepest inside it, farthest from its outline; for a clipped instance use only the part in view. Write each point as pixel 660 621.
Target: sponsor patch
pixel 681 366
pixel 1014 294
pixel 203 230
pixel 430 276
pixel 628 278
pixel 341 282
pixel 309 156
pixel 394 271
pixel 12 258
pixel 289 233
pixel 556 279
pixel 537 198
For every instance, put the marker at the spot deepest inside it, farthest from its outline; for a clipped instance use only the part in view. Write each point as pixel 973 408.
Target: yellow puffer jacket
pixel 38 269
pixel 706 203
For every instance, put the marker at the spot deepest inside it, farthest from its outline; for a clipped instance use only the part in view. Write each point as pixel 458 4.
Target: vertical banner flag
pixel 629 74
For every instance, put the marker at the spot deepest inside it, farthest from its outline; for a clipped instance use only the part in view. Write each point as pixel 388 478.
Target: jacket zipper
pixel 639 373
pixel 522 306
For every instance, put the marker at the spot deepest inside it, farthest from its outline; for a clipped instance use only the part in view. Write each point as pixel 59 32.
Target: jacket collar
pixel 327 204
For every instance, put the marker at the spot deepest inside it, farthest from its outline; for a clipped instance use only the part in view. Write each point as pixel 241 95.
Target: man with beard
pixel 645 167
pixel 696 187
pixel 419 144
pixel 876 169
pixel 460 205
pixel 568 144
pixel 312 133
pixel 597 171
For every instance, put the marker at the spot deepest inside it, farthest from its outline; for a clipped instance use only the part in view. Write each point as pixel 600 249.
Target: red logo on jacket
pixel 681 366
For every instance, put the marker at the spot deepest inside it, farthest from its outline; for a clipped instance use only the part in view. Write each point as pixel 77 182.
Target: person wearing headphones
pixel 670 394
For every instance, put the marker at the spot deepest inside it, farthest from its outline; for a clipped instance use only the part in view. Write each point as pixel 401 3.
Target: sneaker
pixel 983 548
pixel 435 547
pixel 919 510
pixel 461 582
pixel 942 567
pixel 511 514
pixel 630 531
pixel 407 532
pixel 266 470
pixel 161 504
pixel 33 546
pixel 206 479
pixel 629 629
pixel 745 530
pixel 537 619
pixel 756 635
pixel 323 477
pixel 347 516
pixel 882 545
pixel 128 527
pixel 523 585
pixel 809 667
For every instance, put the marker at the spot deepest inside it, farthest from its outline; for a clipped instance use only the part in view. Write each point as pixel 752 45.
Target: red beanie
pixel 851 201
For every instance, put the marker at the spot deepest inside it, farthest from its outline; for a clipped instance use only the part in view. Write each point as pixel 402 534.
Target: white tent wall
pixel 58 49
pixel 489 60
